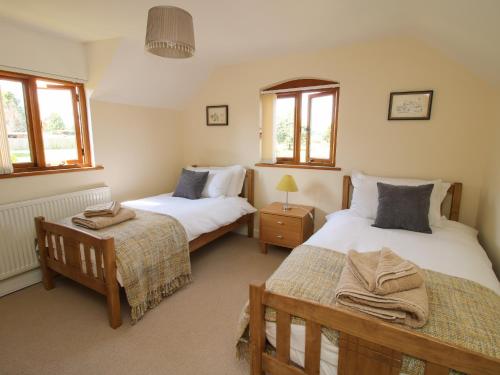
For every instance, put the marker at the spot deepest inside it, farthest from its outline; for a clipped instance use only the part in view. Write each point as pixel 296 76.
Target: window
pixel 304 122
pixel 46 122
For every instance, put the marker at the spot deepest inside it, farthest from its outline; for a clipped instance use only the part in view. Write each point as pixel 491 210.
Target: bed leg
pixel 114 310
pixel 257 328
pixel 47 273
pixel 250 226
pixel 112 289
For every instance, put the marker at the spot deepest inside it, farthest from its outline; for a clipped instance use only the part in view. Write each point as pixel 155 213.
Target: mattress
pixel 452 249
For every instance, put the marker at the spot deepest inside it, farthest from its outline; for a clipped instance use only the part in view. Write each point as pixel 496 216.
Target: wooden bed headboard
pixel 248 186
pixel 455 192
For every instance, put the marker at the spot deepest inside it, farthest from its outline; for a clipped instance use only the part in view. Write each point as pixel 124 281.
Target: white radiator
pixel 17 225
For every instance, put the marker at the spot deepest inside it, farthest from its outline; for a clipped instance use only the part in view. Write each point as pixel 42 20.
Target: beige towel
pixel 409 307
pixel 100 222
pixel 384 272
pixel 103 209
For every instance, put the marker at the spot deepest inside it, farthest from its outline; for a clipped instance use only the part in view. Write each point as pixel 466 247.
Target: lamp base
pixel 286 207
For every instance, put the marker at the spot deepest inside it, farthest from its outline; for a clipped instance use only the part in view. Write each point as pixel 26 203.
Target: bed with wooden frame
pixel 367 346
pixel 67 259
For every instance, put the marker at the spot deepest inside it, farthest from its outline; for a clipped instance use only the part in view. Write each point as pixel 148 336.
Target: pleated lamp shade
pixel 170 32
pixel 287 184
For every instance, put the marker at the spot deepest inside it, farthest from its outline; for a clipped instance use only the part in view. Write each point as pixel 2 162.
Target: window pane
pixel 320 126
pixel 12 95
pixel 285 120
pixel 58 125
pixel 304 120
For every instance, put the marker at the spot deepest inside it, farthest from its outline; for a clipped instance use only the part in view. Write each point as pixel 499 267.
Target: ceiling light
pixel 170 32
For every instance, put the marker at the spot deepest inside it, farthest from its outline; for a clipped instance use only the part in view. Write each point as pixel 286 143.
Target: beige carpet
pixel 65 330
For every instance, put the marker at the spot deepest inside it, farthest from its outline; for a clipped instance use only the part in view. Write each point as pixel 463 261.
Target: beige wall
pixel 137 146
pixel 449 146
pixel 27 48
pixel 489 208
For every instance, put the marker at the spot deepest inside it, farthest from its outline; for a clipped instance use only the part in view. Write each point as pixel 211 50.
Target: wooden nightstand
pixel 285 228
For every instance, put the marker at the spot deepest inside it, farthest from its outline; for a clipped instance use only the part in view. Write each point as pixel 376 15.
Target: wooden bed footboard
pixel 86 259
pixel 367 346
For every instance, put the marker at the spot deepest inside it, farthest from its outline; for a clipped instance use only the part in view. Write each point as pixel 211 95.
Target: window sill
pixel 39 172
pixel 301 166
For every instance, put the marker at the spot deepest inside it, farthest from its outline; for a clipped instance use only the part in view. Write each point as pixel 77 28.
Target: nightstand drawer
pixel 285 228
pixel 281 223
pixel 281 230
pixel 281 237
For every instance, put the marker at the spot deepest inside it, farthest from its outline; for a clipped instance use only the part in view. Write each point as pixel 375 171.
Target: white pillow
pixel 364 201
pixel 237 178
pixel 217 183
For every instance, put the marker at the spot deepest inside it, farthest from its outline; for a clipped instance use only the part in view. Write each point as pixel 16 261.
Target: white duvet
pixel 452 249
pixel 197 216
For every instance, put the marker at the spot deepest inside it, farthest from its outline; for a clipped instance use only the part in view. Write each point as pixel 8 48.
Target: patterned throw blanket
pixel 462 312
pixel 152 256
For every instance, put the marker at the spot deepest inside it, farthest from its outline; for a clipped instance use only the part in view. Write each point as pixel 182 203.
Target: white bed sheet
pixel 452 249
pixel 197 216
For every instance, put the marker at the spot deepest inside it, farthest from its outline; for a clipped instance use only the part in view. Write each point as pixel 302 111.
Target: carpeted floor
pixel 65 330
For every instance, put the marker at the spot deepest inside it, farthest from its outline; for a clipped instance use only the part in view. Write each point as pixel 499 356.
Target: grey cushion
pixel 404 207
pixel 190 184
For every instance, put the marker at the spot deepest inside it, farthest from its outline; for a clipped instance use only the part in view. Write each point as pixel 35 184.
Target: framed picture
pixel 217 115
pixel 410 105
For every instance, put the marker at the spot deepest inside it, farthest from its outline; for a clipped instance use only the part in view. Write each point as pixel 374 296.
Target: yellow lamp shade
pixel 287 184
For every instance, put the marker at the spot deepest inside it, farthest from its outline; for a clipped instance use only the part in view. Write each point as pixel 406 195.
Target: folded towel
pixel 103 209
pixel 409 307
pixel 384 272
pixel 395 274
pixel 100 222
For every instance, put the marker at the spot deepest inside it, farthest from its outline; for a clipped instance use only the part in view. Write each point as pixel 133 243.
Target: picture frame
pixel 217 115
pixel 410 105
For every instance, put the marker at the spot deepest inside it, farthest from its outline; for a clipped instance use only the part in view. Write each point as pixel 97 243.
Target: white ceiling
pixel 232 31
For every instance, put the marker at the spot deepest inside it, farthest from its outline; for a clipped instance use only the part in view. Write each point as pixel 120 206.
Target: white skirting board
pixel 21 281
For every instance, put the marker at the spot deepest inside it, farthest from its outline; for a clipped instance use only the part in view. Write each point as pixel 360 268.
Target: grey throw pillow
pixel 190 184
pixel 404 207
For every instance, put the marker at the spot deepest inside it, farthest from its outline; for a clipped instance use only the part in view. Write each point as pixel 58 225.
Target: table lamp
pixel 287 184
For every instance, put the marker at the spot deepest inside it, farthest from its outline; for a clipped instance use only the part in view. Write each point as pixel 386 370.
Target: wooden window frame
pixel 295 160
pixel 34 123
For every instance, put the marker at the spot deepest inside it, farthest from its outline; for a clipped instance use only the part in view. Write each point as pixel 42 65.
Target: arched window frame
pixel 295 88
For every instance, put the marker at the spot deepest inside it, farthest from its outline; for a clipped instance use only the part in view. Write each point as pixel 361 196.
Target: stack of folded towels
pixel 382 284
pixel 103 215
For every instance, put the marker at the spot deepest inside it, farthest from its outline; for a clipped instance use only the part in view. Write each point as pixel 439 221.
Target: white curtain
pixel 268 128
pixel 5 162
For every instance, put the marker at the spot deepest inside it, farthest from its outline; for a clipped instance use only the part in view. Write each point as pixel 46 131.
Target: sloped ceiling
pixel 233 31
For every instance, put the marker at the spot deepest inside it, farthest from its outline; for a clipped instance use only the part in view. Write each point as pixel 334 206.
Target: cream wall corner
pixel 489 207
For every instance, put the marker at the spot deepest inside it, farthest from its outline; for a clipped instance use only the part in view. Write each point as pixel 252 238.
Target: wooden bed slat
pixel 98 263
pixel 313 348
pixel 88 261
pixel 59 250
pixel 283 326
pixel 50 238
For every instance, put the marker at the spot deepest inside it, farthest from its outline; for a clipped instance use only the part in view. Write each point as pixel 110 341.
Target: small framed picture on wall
pixel 217 115
pixel 410 105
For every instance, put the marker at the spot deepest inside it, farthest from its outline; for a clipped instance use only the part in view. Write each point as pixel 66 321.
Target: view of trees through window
pixel 316 114
pixel 14 111
pixel 58 124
